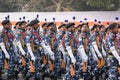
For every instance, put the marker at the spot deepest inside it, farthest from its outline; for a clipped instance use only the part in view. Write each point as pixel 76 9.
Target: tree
pixel 104 4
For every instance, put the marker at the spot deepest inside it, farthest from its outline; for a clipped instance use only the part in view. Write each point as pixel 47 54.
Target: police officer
pixel 60 34
pixel 67 43
pixel 21 36
pixel 10 43
pixel 114 58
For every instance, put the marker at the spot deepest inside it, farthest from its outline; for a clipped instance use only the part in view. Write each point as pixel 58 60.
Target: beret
pixel 69 25
pixel 113 25
pixel 33 22
pixel 22 23
pixel 61 26
pixel 50 23
pixel 5 22
pixel 45 24
pixel 95 26
pixel 17 23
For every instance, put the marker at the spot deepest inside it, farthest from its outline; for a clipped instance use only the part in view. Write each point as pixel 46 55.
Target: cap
pixel 22 23
pixel 45 24
pixel 113 25
pixel 5 22
pixel 50 23
pixel 69 25
pixel 62 25
pixel 33 22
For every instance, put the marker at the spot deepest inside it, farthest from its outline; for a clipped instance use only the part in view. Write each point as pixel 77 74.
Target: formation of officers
pixel 70 52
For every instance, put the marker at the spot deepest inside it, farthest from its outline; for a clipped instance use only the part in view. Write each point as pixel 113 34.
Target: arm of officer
pixel 70 53
pixel 30 51
pixel 28 37
pixel 104 52
pixel 20 48
pixel 69 49
pixel 82 51
pixel 96 49
pixel 112 49
pixel 48 50
pixel 93 53
pixel 60 47
pixel 114 52
pixel 4 50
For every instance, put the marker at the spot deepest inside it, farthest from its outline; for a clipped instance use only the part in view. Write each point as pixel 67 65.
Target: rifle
pixel 23 59
pixel 32 68
pixel 72 71
pixel 6 65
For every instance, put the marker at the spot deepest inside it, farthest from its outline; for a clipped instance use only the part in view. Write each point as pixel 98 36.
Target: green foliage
pixel 58 5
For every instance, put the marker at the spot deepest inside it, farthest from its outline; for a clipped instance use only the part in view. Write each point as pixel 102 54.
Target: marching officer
pixel 113 55
pixel 10 43
pixel 67 43
pixel 61 50
pixel 35 45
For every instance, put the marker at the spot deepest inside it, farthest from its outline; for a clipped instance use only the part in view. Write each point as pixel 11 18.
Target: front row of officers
pixel 71 53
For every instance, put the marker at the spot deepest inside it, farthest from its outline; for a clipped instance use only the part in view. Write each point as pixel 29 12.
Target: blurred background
pixel 58 5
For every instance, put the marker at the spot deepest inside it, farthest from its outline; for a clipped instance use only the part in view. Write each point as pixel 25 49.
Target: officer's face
pixel 97 29
pixel 119 30
pixel 62 28
pixel 8 26
pixel 102 29
pixel 23 26
pixel 51 27
pixel 115 30
pixel 73 29
pixel 70 29
pixel 28 28
pixel 45 27
pixel 84 28
pixel 36 26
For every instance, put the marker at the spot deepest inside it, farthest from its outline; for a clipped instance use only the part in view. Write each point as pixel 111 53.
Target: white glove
pixel 104 52
pixel 33 58
pixel 30 51
pixel 20 48
pixel 4 50
pixel 93 53
pixel 69 50
pixel 44 47
pixel 48 50
pixel 114 52
pixel 96 49
pixel 62 50
pixel 82 53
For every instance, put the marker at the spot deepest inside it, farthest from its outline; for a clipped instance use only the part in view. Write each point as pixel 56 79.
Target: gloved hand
pixel 69 50
pixel 7 56
pixel 52 57
pixel 73 60
pixel 82 53
pixel 33 58
pixel 20 48
pixel 96 49
pixel 4 50
pixel 104 52
pixel 30 51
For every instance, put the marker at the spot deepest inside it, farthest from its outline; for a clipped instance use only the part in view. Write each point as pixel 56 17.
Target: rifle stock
pixel 6 65
pixel 84 68
pixel 51 65
pixel 72 71
pixel 23 61
pixel 62 64
pixel 32 68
